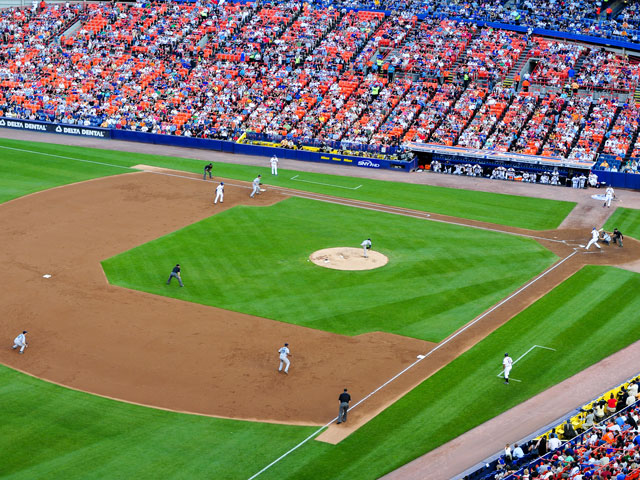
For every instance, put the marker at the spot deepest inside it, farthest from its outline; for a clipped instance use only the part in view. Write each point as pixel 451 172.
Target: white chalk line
pixel 295 178
pixel 426 355
pixel 66 158
pixel 521 356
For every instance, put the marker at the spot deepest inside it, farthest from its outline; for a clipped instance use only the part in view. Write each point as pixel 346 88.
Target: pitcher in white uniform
pixel 366 245
pixel 284 353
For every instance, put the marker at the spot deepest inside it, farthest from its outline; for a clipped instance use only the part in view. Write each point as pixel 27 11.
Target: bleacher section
pixel 298 74
pixel 599 440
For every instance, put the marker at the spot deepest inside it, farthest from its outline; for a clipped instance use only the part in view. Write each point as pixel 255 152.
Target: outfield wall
pixel 207 144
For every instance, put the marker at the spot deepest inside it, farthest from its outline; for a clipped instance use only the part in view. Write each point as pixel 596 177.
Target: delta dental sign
pixel 54 128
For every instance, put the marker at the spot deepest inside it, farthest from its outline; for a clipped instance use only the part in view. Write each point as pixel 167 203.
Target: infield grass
pixel 627 220
pixel 36 166
pixel 49 431
pixel 255 260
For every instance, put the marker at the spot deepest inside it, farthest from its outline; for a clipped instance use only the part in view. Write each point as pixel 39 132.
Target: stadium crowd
pixel 313 74
pixel 601 442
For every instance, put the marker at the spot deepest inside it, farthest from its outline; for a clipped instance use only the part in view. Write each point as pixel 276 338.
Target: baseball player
pixel 219 193
pixel 609 194
pixel 284 353
pixel 256 186
pixel 175 273
pixel 274 165
pixel 595 235
pixel 507 363
pixel 207 170
pixel 366 245
pixel 20 341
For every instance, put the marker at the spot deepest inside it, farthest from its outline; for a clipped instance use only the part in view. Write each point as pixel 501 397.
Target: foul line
pixel 325 184
pixel 426 355
pixel 66 158
pixel 518 359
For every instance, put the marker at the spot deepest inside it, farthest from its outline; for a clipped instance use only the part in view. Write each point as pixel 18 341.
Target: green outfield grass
pixel 627 220
pixel 48 431
pixel 255 260
pixel 581 319
pixel 29 170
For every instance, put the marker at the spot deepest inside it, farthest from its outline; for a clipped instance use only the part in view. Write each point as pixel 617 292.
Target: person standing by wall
pixel 274 165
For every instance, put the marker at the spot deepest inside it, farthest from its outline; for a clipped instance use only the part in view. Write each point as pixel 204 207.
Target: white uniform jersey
pixel 609 192
pixel 595 235
pixel 284 351
pixel 366 244
pixel 20 339
pixel 507 362
pixel 219 189
pixel 274 161
pixel 256 182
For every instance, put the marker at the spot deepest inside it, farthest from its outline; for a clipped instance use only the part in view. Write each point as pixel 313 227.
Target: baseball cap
pixel 286 344
pixel 24 331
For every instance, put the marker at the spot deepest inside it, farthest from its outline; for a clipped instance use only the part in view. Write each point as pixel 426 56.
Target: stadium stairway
pixel 608 132
pixel 444 115
pixel 466 125
pixel 461 61
pixel 525 123
pixel 551 130
pixel 497 122
pixel 580 61
pixel 519 65
pixel 576 139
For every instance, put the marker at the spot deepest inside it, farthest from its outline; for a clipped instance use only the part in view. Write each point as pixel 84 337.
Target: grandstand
pixel 598 440
pixel 333 76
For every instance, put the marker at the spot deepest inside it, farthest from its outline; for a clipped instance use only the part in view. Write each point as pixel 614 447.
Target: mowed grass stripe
pixel 255 261
pixel 580 319
pixel 627 220
pixel 524 212
pixel 53 432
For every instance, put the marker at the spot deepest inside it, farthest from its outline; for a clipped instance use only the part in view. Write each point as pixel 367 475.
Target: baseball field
pixel 126 376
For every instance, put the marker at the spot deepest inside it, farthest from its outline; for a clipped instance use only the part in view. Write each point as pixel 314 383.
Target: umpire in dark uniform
pixel 344 400
pixel 617 237
pixel 208 169
pixel 175 273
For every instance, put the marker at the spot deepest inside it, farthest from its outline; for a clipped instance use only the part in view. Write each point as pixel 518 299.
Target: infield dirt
pixel 167 353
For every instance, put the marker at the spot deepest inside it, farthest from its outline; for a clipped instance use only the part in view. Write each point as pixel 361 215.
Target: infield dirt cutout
pixel 348 258
pixel 169 353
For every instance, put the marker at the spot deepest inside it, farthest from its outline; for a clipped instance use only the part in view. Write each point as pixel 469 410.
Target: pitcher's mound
pixel 348 258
